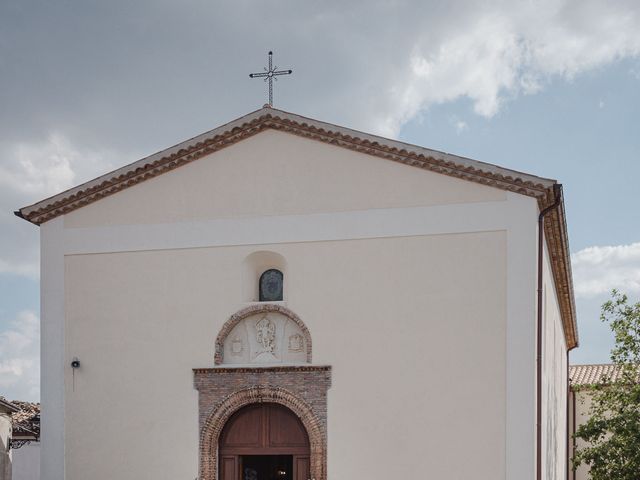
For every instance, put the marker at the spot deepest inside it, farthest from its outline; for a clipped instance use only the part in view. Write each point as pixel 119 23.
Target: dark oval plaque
pixel 271 286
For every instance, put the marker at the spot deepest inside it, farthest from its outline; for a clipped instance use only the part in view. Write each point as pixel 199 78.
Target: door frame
pixel 312 382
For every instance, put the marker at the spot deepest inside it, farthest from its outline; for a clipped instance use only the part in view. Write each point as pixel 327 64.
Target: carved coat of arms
pixel 296 343
pixel 236 347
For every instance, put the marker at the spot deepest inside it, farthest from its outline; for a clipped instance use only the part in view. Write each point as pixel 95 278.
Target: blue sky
pixel 549 87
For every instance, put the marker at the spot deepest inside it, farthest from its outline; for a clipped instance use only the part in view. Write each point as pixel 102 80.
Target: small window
pixel 271 286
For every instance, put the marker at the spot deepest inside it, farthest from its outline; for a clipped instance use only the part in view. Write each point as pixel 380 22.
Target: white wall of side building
pixel 419 290
pixel 5 451
pixel 26 462
pixel 554 382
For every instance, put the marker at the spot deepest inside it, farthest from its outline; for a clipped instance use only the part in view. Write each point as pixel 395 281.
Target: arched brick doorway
pixel 219 400
pixel 264 441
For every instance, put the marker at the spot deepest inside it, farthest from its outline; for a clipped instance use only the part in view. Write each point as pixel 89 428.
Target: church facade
pixel 285 298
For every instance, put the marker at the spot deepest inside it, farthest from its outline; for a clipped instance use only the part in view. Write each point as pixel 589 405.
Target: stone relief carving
pixel 236 347
pixel 265 338
pixel 296 343
pixel 266 334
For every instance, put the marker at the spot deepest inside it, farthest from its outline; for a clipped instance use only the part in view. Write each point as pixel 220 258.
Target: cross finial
pixel 270 75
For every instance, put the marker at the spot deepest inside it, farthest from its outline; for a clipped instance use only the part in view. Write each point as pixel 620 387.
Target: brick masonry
pixel 224 390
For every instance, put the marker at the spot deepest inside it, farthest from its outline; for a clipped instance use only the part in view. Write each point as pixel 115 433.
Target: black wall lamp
pixel 75 364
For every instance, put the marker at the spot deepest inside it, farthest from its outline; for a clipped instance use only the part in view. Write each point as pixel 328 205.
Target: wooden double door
pixel 264 441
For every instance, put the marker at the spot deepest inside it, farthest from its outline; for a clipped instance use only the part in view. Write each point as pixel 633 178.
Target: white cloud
pixel 491 52
pixel 598 270
pixel 38 169
pixel 20 358
pixel 41 169
pixel 31 172
pixel 461 126
pixel 458 124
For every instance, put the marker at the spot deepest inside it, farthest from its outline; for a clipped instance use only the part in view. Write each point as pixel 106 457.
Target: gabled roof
pixel 269 118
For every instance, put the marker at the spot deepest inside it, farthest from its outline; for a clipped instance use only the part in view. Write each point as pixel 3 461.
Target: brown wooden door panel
pixel 301 468
pixel 245 428
pixel 264 429
pixel 229 468
pixel 285 429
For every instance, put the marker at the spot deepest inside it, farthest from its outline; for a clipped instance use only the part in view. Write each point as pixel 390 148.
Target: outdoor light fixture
pixel 75 363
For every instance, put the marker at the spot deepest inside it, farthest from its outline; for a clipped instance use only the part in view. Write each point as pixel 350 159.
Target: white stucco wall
pixel 52 359
pixel 5 452
pixel 26 462
pixel 418 289
pixel 554 383
pixel 387 314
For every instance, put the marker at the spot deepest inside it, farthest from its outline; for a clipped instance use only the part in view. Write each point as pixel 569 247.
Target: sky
pixel 551 88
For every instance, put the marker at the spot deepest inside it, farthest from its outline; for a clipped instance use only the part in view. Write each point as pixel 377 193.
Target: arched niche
pixel 254 266
pixel 263 334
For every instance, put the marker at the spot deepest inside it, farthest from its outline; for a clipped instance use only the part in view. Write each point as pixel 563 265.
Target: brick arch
pixel 253 310
pixel 217 419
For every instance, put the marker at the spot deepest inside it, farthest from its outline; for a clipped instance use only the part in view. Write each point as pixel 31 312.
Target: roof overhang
pixel 7 406
pixel 269 118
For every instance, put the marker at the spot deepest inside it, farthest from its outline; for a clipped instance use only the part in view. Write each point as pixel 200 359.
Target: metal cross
pixel 270 75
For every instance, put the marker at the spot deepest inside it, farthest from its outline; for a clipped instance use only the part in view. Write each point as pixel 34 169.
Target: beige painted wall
pixel 275 173
pixel 554 383
pixel 414 327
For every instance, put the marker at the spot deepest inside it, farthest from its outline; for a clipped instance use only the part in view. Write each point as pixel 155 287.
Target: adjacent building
pixel 26 441
pixel 6 410
pixel 581 378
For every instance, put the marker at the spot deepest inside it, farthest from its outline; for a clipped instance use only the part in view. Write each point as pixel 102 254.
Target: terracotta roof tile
pixel 581 375
pixel 27 419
